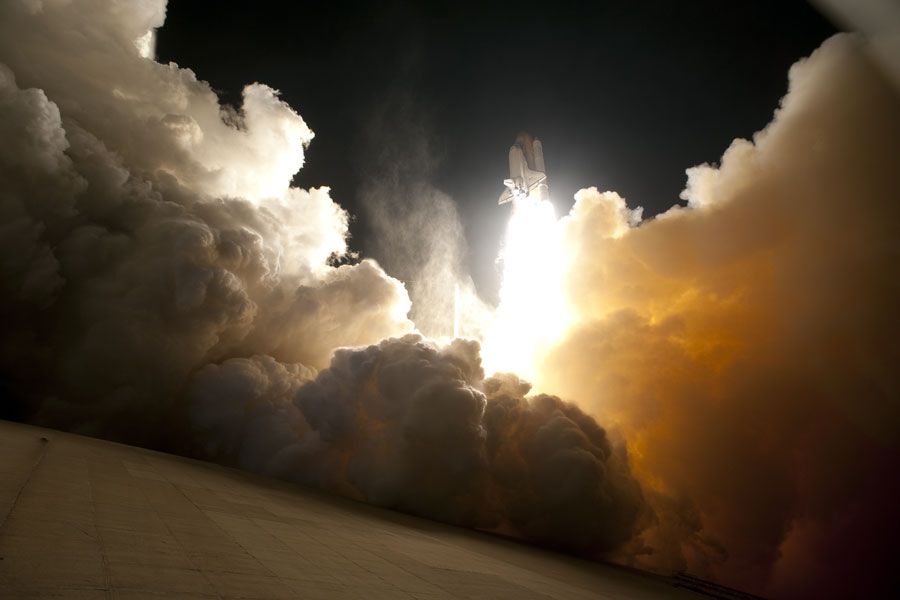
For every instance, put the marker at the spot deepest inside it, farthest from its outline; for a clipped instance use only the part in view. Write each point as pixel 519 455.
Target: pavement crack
pixel 45 445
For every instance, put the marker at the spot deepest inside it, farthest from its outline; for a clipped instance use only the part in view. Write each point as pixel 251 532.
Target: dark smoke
pixel 413 426
pixel 164 285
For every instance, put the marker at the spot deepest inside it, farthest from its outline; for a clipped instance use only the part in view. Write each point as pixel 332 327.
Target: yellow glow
pixel 533 312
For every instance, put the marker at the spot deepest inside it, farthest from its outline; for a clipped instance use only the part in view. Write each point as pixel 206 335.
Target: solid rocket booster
pixel 527 173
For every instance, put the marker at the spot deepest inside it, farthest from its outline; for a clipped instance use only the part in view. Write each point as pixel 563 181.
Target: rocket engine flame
pixel 532 314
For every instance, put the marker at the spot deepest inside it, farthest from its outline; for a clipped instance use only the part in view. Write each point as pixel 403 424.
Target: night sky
pixel 624 95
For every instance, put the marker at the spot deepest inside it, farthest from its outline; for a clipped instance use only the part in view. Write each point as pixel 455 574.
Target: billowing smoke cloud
pixel 746 345
pixel 415 426
pixel 558 478
pixel 147 231
pixel 163 284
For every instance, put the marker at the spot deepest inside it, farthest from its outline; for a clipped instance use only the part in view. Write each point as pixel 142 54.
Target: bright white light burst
pixel 533 313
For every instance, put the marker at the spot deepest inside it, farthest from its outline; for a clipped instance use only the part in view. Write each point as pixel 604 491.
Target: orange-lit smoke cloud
pixel 746 346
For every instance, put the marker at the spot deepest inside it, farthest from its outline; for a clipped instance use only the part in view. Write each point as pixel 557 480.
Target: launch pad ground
pixel 85 518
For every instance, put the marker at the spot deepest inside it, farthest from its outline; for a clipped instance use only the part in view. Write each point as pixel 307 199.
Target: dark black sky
pixel 624 95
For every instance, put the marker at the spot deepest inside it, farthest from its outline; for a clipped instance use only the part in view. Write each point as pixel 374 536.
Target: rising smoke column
pixel 413 226
pixel 746 345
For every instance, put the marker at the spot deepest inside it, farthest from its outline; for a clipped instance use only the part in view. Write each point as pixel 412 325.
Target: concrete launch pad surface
pixel 84 518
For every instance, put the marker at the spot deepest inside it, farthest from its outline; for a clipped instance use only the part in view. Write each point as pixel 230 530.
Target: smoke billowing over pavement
pixel 165 286
pixel 406 424
pixel 162 284
pixel 414 426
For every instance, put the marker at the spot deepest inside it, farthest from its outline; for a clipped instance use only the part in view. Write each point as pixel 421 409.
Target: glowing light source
pixel 533 312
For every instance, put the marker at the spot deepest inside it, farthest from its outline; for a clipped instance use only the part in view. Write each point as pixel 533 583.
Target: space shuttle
pixel 527 173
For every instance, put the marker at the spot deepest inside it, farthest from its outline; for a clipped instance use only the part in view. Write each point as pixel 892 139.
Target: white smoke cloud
pixel 148 231
pixel 159 118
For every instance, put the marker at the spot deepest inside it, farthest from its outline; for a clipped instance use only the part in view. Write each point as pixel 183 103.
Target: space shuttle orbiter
pixel 527 174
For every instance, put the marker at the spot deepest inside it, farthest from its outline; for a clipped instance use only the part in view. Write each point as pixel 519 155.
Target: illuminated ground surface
pixel 82 518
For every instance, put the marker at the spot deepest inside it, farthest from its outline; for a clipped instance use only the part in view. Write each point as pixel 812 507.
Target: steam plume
pixel 149 231
pixel 415 228
pixel 746 345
